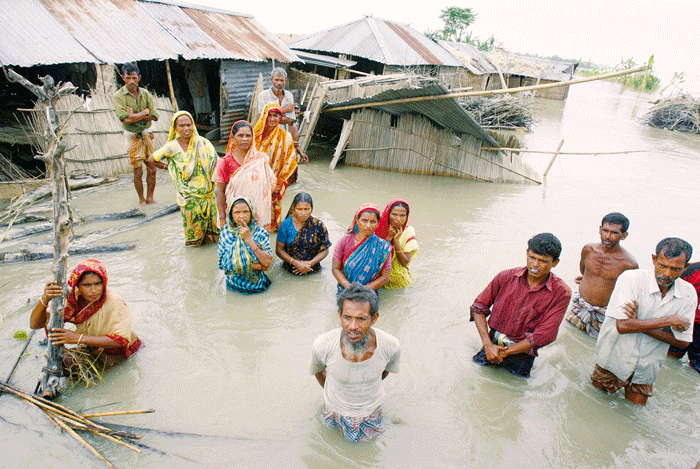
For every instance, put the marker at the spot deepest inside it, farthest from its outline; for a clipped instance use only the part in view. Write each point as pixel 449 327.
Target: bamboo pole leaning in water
pixel 551 162
pixel 491 92
pixel 546 152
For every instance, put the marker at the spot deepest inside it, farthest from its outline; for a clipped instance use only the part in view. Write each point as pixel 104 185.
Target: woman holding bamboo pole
pixel 101 317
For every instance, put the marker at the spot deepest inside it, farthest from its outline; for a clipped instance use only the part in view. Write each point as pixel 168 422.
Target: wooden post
pixel 170 85
pixel 53 382
pixel 551 162
pixel 342 142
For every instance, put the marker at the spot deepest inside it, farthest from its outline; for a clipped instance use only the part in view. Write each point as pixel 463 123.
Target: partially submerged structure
pixel 408 126
pixel 206 60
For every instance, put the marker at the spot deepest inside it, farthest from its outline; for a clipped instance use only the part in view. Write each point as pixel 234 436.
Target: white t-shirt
pixel 268 96
pixel 638 353
pixel 354 389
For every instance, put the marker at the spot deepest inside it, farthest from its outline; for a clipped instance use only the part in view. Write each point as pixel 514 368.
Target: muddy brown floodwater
pixel 235 368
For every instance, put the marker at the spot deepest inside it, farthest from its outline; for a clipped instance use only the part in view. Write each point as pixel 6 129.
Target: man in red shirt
pixel 691 275
pixel 524 306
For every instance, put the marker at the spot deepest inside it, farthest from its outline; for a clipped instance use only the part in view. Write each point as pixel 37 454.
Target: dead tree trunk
pixel 52 382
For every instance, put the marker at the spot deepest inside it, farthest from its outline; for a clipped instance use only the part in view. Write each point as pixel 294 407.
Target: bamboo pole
pixel 118 412
pixel 80 439
pixel 173 101
pixel 554 157
pixel 545 152
pixel 490 92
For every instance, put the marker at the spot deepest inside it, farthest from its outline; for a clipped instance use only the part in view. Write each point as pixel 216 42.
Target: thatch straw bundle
pixel 506 112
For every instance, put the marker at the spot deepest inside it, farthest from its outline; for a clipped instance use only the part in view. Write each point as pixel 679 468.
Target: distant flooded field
pixel 231 371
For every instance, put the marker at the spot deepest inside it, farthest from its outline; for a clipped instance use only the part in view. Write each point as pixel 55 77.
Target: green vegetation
pixel 456 21
pixel 642 81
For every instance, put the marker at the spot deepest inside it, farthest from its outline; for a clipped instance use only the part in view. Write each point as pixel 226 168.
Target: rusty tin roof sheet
pixel 380 40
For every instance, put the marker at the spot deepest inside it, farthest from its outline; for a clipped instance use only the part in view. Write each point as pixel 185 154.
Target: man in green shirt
pixel 136 109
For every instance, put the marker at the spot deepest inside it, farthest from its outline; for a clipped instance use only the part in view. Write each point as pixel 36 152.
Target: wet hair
pixel 674 247
pixel 358 293
pixel 278 71
pixel 616 218
pixel 300 198
pixel 239 125
pixel 369 210
pixel 129 67
pixel 545 244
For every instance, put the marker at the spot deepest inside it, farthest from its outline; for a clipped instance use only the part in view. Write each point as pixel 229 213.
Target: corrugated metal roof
pixel 447 113
pixel 380 40
pixel 474 60
pixel 68 31
pixel 31 35
pixel 535 67
pixel 115 30
pixel 324 60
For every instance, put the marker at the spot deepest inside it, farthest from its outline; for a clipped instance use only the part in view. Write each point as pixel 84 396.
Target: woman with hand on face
pixel 361 256
pixel 244 171
pixel 101 317
pixel 191 161
pixel 244 250
pixel 302 240
pixel 393 227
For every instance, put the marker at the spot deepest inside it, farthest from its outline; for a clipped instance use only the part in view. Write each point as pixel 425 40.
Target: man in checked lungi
pixel 350 363
pixel 136 109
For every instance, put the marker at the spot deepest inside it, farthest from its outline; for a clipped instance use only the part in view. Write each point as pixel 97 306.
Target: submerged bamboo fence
pixel 412 144
pixel 94 135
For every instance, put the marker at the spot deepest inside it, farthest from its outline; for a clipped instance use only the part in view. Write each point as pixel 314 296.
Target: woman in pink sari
pixel 244 171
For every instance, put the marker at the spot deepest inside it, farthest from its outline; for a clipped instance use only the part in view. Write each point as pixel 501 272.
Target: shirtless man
pixel 601 264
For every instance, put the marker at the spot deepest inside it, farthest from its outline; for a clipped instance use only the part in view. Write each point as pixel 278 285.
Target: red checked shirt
pixel 519 312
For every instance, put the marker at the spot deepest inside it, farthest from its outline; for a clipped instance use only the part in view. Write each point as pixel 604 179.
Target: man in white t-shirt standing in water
pixel 350 363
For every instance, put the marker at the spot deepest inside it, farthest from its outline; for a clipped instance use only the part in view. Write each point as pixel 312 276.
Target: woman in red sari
pixel 101 317
pixel 279 146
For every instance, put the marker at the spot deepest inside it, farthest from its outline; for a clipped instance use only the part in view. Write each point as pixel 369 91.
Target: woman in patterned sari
pixel 279 146
pixel 361 256
pixel 393 227
pixel 302 240
pixel 191 161
pixel 244 249
pixel 101 317
pixel 244 171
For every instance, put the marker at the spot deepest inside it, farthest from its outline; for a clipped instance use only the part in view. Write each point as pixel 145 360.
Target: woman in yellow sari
pixel 279 146
pixel 393 227
pixel 191 161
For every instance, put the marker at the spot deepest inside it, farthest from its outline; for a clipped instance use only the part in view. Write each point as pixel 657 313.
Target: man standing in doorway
pixel 277 94
pixel 524 307
pixel 350 363
pixel 648 310
pixel 136 109
pixel 601 265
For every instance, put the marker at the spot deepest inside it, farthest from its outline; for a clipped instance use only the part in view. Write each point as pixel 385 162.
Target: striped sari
pixel 236 258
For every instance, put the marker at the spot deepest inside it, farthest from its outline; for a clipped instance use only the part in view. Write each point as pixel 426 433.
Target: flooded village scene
pixel 354 235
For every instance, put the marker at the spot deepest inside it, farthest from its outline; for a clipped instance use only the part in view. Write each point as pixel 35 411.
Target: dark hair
pixel 236 201
pixel 616 218
pixel 129 67
pixel 358 293
pixel 399 204
pixel 545 244
pixel 239 125
pixel 300 198
pixel 674 247
pixel 370 211
pixel 82 276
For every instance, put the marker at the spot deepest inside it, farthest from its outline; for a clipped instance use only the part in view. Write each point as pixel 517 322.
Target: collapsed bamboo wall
pixel 94 135
pixel 412 144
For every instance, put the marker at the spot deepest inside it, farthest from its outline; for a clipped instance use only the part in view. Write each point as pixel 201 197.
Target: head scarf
pixel 196 149
pixel 76 309
pixel 363 208
pixel 262 120
pixel 383 227
pixel 230 146
pixel 229 219
pixel 174 134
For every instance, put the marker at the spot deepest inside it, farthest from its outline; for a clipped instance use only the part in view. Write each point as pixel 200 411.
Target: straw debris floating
pixel 72 422
pixel 681 112
pixel 500 113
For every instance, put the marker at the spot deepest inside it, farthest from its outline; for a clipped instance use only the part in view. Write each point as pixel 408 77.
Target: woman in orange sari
pixel 244 171
pixel 279 146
